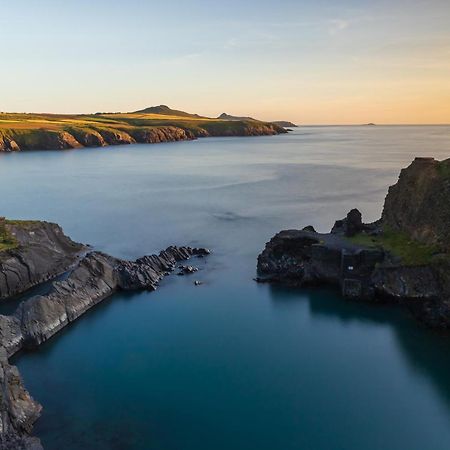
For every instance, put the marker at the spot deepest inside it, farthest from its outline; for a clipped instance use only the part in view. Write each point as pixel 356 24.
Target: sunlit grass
pixel 410 251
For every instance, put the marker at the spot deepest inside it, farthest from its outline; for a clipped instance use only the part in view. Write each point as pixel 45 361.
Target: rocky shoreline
pixel 404 257
pixel 72 138
pixel 42 252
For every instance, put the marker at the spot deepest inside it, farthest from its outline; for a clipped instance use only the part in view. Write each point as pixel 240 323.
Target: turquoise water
pixel 230 364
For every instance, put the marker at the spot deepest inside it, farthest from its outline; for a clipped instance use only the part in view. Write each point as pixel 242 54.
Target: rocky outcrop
pixel 419 204
pixel 364 263
pixel 8 145
pixel 18 411
pixel 88 137
pixel 155 135
pixel 41 252
pixel 96 277
pixel 39 140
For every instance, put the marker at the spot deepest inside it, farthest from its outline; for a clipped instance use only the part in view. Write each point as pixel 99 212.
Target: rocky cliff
pixel 75 137
pixel 49 132
pixel 401 258
pixel 18 411
pixel 43 251
pixel 419 204
pixel 38 251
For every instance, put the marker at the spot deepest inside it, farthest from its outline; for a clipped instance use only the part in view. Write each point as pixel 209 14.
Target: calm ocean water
pixel 230 364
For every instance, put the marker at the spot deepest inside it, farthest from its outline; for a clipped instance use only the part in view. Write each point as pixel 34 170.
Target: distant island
pixel 151 125
pixel 404 257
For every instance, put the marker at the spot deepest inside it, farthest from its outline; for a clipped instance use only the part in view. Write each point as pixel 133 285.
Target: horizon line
pixel 298 125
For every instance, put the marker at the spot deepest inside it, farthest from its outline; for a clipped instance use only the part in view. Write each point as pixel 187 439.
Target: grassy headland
pixel 151 125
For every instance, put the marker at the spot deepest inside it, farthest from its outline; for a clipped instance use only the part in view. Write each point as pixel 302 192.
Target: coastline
pixel 24 132
pixel 93 278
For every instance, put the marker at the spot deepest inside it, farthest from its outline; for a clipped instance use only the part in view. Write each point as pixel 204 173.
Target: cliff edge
pixel 404 257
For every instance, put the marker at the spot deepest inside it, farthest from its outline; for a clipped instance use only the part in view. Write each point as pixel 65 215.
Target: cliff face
pixel 242 128
pixel 40 252
pixel 18 411
pixel 419 204
pixel 404 257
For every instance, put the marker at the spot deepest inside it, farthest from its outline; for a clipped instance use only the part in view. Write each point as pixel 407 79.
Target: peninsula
pixel 32 252
pixel 150 125
pixel 404 257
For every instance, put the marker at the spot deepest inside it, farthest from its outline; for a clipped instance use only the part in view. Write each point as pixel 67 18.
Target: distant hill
pixel 166 111
pixel 284 124
pixel 225 116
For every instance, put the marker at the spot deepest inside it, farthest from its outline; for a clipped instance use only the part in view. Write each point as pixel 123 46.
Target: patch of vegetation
pixel 444 169
pixel 7 240
pixel 410 251
pixel 22 223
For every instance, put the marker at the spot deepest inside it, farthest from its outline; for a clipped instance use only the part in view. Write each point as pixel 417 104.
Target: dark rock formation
pixel 96 277
pixel 116 137
pixel 419 203
pixel 18 411
pixel 8 145
pixel 187 270
pixel 88 137
pixel 351 225
pixel 42 252
pixel 416 207
pixel 155 135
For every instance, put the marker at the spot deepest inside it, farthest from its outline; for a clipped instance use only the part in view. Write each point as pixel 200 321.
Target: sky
pixel 311 62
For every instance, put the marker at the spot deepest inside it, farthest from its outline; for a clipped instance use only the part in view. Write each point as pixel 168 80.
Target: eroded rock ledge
pixel 403 257
pixel 92 278
pixel 38 252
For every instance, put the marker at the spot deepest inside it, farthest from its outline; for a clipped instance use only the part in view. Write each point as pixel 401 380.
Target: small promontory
pixel 403 257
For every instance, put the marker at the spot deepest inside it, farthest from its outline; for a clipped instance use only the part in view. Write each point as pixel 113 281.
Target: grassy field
pixel 7 241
